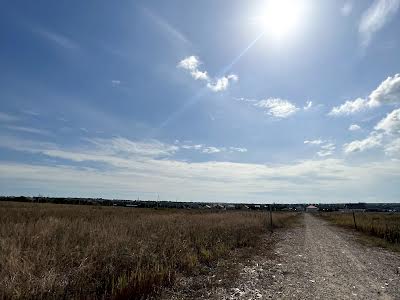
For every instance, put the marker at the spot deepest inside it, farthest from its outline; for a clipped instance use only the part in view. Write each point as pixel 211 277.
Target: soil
pixel 312 261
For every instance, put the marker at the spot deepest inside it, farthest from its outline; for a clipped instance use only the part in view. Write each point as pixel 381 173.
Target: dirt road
pixel 318 261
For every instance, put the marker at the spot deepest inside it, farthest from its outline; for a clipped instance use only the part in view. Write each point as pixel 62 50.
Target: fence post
pixel 270 218
pixel 354 219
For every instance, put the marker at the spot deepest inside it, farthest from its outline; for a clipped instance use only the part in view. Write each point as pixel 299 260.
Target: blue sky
pixel 226 101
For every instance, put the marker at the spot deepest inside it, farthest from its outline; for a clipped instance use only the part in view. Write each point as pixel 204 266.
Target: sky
pixel 220 101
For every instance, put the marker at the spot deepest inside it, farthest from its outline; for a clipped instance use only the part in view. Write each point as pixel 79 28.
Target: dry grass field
pixel 58 251
pixel 381 225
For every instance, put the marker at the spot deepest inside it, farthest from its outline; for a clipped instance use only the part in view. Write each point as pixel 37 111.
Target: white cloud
pixel 211 150
pixel 276 107
pixel 127 167
pixel 314 142
pixel 119 145
pixel 374 140
pixel 222 83
pixel 354 127
pixel 236 149
pixel 388 92
pixel 392 149
pixel 7 117
pixel 192 63
pixel 308 105
pixel 29 130
pixel 376 17
pixel 350 107
pixel 391 123
pixel 199 75
pixel 346 8
pixel 326 150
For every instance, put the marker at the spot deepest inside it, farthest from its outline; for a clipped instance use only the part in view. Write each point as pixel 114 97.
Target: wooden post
pixel 270 218
pixel 354 219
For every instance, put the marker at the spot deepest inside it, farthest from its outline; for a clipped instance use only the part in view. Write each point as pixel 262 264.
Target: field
pixel 385 226
pixel 54 251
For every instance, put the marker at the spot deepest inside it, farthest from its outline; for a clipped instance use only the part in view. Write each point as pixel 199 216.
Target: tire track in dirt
pixel 319 261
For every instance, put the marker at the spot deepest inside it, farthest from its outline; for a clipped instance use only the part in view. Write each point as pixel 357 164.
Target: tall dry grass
pixel 61 251
pixel 381 225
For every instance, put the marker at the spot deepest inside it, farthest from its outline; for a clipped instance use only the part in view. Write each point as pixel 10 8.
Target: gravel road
pixel 318 261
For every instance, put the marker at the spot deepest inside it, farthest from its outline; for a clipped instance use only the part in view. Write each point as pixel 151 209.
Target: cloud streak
pixel 375 18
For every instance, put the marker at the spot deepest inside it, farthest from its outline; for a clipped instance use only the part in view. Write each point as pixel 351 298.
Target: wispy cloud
pixel 29 130
pixel 115 83
pixel 354 127
pixel 326 148
pixel 277 107
pixel 308 105
pixel 166 27
pixel 5 117
pixel 314 142
pixel 219 84
pixel 128 166
pixel 376 17
pixel 388 92
pixel 212 149
pixel 57 38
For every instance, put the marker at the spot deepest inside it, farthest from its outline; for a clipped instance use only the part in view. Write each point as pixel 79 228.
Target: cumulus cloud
pixel 354 127
pixel 222 83
pixel 276 107
pixel 218 84
pixel 190 63
pixel 384 135
pixel 388 92
pixel 374 140
pixel 350 107
pixel 376 17
pixel 391 123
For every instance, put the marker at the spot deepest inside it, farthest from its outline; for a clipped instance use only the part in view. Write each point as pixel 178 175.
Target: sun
pixel 280 18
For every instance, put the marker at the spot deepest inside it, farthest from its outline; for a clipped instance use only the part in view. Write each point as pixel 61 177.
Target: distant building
pixel 311 208
pixel 354 207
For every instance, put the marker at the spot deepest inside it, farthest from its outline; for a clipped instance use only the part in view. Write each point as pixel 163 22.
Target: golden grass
pixel 382 225
pixel 58 251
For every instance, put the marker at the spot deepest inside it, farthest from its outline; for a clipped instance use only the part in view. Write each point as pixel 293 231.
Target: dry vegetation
pixel 54 251
pixel 381 225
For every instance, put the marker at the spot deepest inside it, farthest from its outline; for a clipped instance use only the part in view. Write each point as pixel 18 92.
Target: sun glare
pixel 280 18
